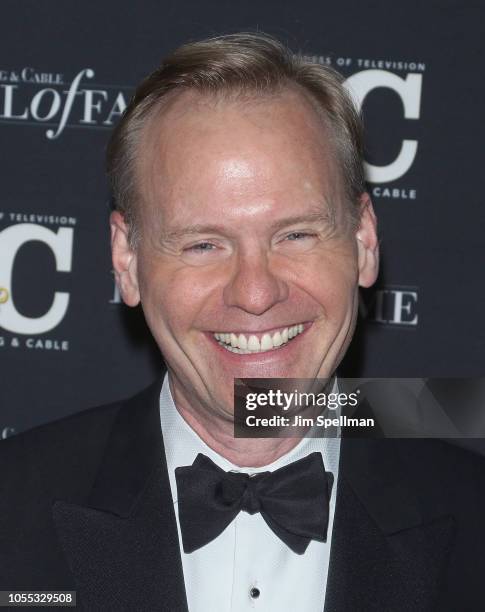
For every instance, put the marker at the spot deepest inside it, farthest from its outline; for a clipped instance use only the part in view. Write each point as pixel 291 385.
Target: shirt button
pixel 255 593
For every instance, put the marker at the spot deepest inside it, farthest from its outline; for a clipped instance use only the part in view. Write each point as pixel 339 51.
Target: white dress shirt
pixel 247 567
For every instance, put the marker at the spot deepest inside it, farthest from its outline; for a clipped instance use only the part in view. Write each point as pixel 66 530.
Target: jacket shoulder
pixel 56 461
pixel 59 458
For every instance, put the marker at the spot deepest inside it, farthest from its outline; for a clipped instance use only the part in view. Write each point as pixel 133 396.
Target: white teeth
pixel 266 342
pixel 277 339
pixel 253 344
pixel 241 344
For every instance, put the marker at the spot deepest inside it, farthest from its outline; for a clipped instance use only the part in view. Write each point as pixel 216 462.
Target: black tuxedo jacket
pixel 85 505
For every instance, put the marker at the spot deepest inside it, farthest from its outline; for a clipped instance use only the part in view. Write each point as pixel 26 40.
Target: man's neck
pixel 242 452
pixel 218 433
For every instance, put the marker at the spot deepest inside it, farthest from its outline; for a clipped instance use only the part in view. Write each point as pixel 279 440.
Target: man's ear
pixel 124 260
pixel 367 243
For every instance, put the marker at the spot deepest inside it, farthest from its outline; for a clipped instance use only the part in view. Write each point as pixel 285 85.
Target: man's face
pixel 246 265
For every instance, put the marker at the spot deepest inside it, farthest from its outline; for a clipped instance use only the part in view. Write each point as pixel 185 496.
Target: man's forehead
pixel 193 113
pixel 245 155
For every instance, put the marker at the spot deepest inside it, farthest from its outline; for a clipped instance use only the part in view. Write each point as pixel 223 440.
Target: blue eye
pixel 202 247
pixel 298 236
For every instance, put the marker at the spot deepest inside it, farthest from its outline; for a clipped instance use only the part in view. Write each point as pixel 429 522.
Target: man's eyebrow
pixel 322 216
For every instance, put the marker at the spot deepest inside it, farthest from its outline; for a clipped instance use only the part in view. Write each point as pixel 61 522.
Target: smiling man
pixel 243 228
pixel 250 243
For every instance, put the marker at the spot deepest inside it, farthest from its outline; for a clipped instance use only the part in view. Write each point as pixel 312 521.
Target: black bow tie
pixel 294 501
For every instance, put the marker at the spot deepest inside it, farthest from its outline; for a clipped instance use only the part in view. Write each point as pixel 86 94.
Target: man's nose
pixel 254 285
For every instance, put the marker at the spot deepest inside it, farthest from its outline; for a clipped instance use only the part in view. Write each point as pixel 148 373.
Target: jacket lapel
pixel 122 546
pixel 389 547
